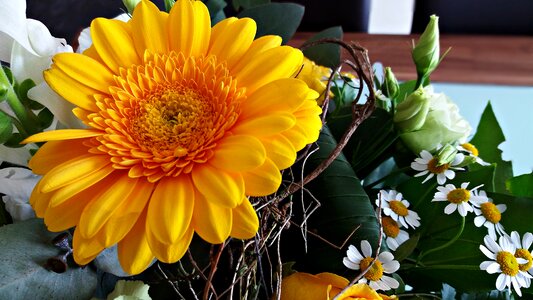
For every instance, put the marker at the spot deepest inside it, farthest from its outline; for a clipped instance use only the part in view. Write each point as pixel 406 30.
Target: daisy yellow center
pixel 458 195
pixel 491 212
pixel 471 148
pixel 399 208
pixel 390 227
pixel 525 254
pixel 375 272
pixel 508 263
pixel 167 115
pixel 434 168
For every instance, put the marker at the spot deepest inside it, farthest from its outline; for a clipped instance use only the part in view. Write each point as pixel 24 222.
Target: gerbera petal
pixel 265 125
pixel 39 201
pixel 67 214
pixel 272 97
pixel 85 70
pixel 245 221
pixel 105 33
pixel 259 45
pixel 212 222
pixel 148 29
pixel 170 253
pixel 72 170
pixel 61 134
pixel 70 190
pixel 263 180
pixel 170 209
pixel 102 206
pixel 134 262
pixel 85 249
pixel 280 150
pixel 272 64
pixel 218 186
pixel 184 18
pixel 248 149
pixel 72 90
pixel 230 39
pixel 54 153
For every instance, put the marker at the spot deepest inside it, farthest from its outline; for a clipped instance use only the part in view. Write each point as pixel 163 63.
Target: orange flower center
pixel 508 263
pixel 437 169
pixel 398 207
pixel 491 212
pixel 525 254
pixel 375 272
pixel 166 115
pixel 458 195
pixel 390 227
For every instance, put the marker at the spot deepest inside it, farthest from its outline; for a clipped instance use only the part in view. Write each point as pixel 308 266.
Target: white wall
pixel 391 16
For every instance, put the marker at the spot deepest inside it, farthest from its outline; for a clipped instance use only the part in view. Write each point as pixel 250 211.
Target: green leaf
pixel 216 10
pixel 46 118
pixel 22 91
pixel 521 186
pixel 25 247
pixel 344 207
pixel 6 127
pixel 237 4
pixel 275 18
pixel 405 249
pixel 328 55
pixel 489 136
pixel 15 140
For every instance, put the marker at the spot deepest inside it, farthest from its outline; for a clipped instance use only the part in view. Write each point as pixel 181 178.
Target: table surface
pixel 504 60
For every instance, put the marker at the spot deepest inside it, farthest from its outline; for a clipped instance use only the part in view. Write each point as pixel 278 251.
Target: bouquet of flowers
pixel 183 154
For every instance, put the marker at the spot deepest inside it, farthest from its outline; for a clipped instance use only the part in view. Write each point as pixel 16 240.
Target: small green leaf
pixel 46 118
pixel 9 75
pixel 25 247
pixel 405 249
pixel 488 137
pixel 14 140
pixel 275 18
pixel 521 186
pixel 6 127
pixel 216 10
pixel 237 4
pixel 22 91
pixel 327 55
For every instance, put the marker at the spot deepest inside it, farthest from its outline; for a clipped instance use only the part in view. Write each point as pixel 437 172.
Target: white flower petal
pixel 392 243
pixel 462 209
pixel 501 207
pixel 349 264
pixel 493 268
pixel 500 282
pixel 479 220
pixel 491 244
pixel 385 257
pixel 366 248
pixel 391 267
pixel 450 208
pixel 427 178
pixel 487 253
pixel 61 108
pixel 441 178
pixel 426 155
pixel 516 286
pixel 527 240
pixel 390 282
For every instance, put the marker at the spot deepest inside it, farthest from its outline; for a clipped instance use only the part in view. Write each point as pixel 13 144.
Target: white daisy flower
pixel 427 164
pixel 374 277
pixel 394 206
pixel 503 261
pixel 459 198
pixel 394 235
pixel 488 214
pixel 473 152
pixel 522 251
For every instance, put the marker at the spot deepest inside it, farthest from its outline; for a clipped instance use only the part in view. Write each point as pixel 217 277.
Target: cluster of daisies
pixel 510 255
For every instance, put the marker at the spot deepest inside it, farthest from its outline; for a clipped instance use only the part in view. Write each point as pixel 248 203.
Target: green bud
pixel 411 114
pixel 427 51
pixel 446 154
pixel 130 5
pixel 390 87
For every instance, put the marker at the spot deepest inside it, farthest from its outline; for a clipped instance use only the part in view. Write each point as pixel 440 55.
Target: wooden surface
pixel 505 60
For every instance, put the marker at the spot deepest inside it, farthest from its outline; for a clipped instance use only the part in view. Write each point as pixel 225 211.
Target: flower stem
pixel 445 245
pixel 26 117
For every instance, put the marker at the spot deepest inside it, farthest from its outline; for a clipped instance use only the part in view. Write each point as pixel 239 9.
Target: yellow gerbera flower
pixel 184 121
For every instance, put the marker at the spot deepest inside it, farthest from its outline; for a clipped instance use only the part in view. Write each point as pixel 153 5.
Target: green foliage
pixel 327 55
pixel 237 4
pixel 6 127
pixel 275 18
pixel 216 10
pixel 521 186
pixel 344 207
pixel 25 248
pixel 488 137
